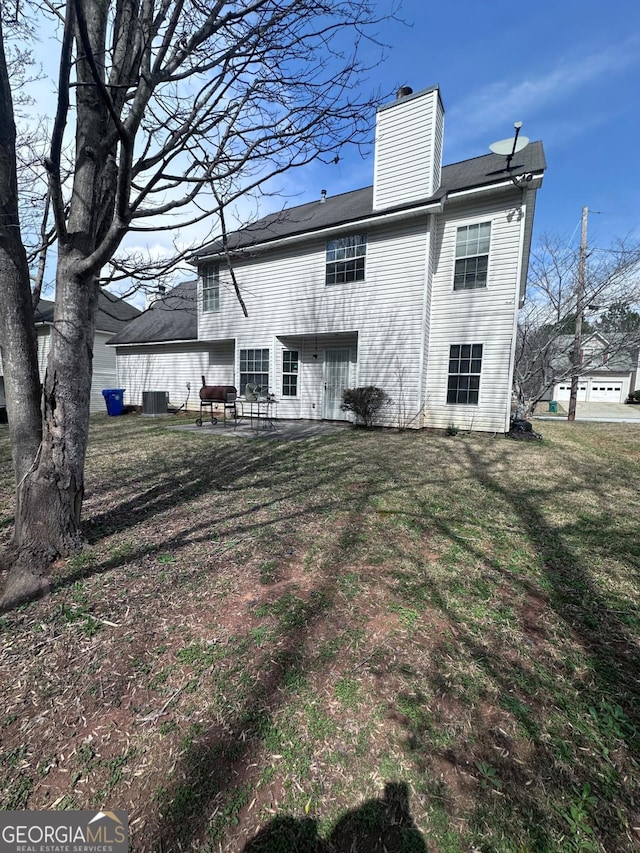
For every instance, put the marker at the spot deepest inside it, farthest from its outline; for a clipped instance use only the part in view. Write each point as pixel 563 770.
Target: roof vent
pixel 323 196
pixel 403 91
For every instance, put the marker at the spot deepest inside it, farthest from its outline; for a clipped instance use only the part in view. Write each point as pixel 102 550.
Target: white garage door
pixel 564 391
pixel 606 392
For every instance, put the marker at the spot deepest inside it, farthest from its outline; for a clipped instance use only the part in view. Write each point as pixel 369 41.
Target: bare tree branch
pixel 548 319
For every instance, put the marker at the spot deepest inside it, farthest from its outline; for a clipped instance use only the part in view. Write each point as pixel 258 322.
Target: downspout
pixel 524 207
pixel 425 320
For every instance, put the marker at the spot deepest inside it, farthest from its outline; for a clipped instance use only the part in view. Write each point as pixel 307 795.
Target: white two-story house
pixel 412 284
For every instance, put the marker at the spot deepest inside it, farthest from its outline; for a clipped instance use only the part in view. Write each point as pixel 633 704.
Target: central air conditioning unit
pixel 155 402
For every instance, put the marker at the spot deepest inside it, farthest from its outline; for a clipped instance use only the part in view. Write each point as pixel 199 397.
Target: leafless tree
pixel 167 111
pixel 547 321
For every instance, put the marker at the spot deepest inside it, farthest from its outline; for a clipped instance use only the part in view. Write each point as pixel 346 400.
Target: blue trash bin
pixel 114 398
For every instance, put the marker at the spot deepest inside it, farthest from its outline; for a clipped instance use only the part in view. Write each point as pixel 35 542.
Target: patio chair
pixel 253 392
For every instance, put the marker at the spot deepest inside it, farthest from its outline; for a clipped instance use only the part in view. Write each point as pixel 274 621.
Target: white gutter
pixel 534 183
pixel 158 343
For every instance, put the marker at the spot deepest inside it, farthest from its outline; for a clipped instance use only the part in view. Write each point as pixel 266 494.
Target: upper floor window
pixel 290 373
pixel 211 288
pixel 345 259
pixel 465 364
pixel 472 256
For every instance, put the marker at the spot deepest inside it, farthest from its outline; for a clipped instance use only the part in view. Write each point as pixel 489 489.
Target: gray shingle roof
pixel 113 312
pixel 358 204
pixel 171 318
pixel 174 318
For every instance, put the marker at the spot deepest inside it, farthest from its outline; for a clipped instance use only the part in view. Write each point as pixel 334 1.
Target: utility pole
pixel 577 339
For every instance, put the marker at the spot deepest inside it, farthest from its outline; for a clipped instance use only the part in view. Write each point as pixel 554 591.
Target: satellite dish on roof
pixel 509 147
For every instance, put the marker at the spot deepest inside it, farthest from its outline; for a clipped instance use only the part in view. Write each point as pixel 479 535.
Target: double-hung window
pixel 254 367
pixel 211 288
pixel 472 256
pixel 345 259
pixel 465 365
pixel 290 373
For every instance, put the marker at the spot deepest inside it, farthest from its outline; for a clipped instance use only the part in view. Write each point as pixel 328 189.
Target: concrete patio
pixel 276 430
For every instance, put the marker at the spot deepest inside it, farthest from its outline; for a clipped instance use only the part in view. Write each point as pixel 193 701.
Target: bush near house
pixel 365 402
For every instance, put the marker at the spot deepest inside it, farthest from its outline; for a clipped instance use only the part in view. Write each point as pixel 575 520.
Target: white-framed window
pixel 345 259
pixel 211 288
pixel 290 362
pixel 465 366
pixel 254 367
pixel 472 256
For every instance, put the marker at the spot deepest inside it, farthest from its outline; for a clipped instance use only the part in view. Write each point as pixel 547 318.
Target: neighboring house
pixel 413 285
pixel 609 368
pixel 113 313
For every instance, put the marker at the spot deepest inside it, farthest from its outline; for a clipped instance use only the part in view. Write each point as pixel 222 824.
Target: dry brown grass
pixel 263 635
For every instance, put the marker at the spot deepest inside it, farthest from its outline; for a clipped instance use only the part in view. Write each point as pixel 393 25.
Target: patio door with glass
pixel 336 379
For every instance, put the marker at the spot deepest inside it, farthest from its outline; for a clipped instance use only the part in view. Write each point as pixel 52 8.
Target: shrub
pixel 365 402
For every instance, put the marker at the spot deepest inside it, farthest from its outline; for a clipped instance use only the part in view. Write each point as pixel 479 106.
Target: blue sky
pixel 570 71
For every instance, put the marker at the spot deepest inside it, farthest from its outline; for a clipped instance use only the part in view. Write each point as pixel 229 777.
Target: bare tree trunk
pixel 49 497
pixel 165 100
pixel 17 331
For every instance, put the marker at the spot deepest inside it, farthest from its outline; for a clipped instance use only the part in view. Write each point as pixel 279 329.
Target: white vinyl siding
pixel 399 328
pixel 104 366
pixel 408 155
pixel 43 338
pixel 105 372
pixel 381 323
pixel 169 367
pixel 481 315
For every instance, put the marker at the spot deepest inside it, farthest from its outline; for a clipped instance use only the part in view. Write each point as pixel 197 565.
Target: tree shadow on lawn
pixel 612 651
pixel 267 470
pixel 215 779
pixel 557 787
pixel 576 600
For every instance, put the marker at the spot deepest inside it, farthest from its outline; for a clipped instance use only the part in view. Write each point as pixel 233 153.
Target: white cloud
pixel 501 103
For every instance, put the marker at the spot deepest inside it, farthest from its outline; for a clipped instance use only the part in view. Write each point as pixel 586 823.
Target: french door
pixel 337 364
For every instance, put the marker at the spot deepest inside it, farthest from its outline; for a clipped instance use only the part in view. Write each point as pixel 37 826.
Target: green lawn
pixel 295 646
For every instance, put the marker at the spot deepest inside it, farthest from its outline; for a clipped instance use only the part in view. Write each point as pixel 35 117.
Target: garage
pixel 595 389
pixel 563 391
pixel 605 392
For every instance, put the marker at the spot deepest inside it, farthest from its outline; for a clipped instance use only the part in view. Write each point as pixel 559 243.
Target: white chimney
pixel 408 154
